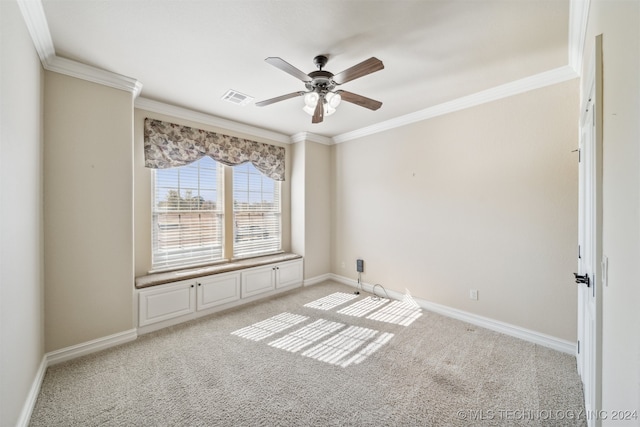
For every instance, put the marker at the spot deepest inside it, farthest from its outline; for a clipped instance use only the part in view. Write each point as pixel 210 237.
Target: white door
pixel 588 277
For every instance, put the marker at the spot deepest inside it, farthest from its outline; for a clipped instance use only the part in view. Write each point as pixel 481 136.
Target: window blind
pixel 187 215
pixel 256 212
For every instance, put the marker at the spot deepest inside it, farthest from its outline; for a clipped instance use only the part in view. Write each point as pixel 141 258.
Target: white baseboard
pixel 92 346
pixel 32 396
pixel 474 319
pixel 63 355
pixel 317 279
pixel 88 347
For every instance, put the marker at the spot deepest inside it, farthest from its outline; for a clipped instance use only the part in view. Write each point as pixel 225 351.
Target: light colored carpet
pixel 281 363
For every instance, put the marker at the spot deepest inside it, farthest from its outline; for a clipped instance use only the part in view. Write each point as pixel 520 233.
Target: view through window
pixel 256 212
pixel 188 214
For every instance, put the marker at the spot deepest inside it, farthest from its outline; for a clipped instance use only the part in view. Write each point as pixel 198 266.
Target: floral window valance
pixel 168 145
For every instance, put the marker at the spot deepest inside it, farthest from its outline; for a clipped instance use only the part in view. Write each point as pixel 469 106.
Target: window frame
pixel 226 220
pixel 219 213
pixel 259 237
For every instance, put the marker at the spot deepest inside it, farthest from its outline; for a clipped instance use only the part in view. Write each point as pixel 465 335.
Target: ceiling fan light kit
pixel 330 103
pixel 321 98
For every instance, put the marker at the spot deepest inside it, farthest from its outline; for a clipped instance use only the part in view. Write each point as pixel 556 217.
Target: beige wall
pixel 88 211
pixel 317 210
pixel 311 206
pixel 619 24
pixel 298 188
pixel 484 198
pixel 21 262
pixel 142 179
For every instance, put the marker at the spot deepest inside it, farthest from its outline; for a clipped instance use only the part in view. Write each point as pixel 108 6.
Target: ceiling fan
pixel 321 97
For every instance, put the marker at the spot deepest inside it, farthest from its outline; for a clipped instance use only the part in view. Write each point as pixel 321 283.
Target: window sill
pixel 160 278
pixel 188 267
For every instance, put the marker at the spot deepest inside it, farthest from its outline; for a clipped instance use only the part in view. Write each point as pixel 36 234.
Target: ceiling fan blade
pixel 279 98
pixel 287 68
pixel 369 66
pixel 360 100
pixel 318 114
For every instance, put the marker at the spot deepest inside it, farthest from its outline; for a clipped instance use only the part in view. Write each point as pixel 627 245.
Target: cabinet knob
pixel 199 284
pixel 192 286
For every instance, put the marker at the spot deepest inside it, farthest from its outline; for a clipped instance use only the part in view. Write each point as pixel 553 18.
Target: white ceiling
pixel 189 53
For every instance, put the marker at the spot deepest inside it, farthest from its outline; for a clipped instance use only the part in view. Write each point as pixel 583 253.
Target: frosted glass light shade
pixel 331 101
pixel 311 99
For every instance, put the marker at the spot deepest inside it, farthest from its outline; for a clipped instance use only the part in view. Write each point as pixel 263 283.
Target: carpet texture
pixel 316 356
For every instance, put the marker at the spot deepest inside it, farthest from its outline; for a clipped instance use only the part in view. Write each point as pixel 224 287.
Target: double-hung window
pixel 189 205
pixel 256 212
pixel 187 215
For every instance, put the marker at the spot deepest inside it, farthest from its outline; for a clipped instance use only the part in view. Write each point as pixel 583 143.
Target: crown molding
pixel 207 119
pixel 93 74
pixel 36 21
pixel 38 28
pixel 311 137
pixel 578 20
pixel 537 81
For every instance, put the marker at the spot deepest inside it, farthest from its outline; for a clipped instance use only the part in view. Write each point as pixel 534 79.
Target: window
pixel 256 212
pixel 187 215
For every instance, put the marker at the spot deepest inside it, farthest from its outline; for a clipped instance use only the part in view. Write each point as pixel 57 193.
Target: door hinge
pixel 578 346
pixel 579 253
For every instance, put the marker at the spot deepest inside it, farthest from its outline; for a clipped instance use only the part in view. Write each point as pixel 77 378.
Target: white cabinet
pixel 175 302
pixel 263 279
pixel 289 273
pixel 258 280
pixel 178 299
pixel 166 302
pixel 217 290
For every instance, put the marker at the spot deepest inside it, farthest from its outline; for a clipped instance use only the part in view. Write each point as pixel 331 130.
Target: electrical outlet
pixel 473 294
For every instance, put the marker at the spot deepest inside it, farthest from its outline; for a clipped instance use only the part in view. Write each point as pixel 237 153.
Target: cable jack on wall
pixel 360 270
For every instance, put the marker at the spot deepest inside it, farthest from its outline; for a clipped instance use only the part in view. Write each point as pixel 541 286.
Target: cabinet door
pixel 217 289
pixel 289 273
pixel 166 302
pixel 258 280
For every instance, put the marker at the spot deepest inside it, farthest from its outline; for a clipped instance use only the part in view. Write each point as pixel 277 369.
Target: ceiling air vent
pixel 235 97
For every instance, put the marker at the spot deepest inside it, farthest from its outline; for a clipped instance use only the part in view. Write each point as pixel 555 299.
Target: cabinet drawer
pixel 216 290
pixel 171 301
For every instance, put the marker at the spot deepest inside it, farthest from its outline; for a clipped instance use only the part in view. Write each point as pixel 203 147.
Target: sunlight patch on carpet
pixel 266 328
pixel 362 307
pixel 307 335
pixel 398 313
pixel 371 348
pixel 336 348
pixel 331 301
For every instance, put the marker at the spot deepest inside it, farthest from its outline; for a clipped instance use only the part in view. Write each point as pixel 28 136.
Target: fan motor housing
pixel 321 80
